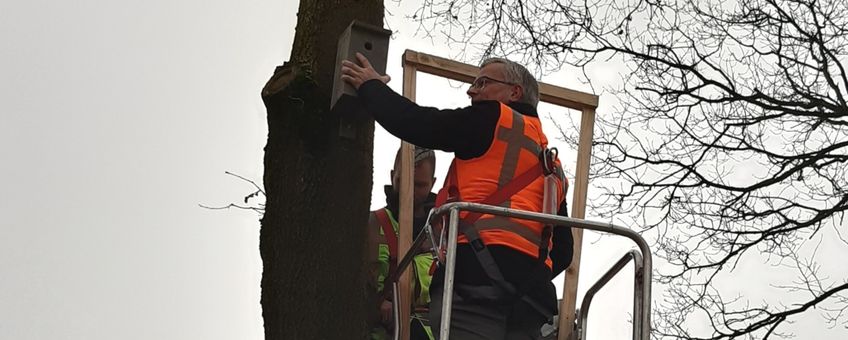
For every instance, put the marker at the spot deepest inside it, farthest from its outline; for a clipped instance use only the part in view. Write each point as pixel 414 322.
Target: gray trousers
pixel 494 318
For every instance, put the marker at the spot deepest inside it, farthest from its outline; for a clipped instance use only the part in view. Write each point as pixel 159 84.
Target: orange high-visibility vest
pixel 516 147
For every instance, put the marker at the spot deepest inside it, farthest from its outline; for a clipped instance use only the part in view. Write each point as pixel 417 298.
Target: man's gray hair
pixel 517 74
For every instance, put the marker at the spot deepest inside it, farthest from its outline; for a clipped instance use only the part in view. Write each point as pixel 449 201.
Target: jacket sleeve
pixel 563 244
pixel 466 131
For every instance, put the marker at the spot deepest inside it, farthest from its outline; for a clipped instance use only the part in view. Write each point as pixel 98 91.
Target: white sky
pixel 116 120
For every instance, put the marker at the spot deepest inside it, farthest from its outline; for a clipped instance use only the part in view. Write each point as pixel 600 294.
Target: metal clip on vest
pixel 549 170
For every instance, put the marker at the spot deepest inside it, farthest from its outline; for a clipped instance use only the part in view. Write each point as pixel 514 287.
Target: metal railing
pixel 583 312
pixel 642 292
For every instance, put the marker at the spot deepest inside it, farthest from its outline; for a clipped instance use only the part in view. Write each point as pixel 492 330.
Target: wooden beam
pixel 466 73
pixel 578 210
pixel 440 66
pixel 407 167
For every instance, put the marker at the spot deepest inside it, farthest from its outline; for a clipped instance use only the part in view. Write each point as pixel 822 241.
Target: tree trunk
pixel 318 187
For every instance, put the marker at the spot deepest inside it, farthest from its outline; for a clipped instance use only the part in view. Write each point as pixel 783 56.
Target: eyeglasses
pixel 481 82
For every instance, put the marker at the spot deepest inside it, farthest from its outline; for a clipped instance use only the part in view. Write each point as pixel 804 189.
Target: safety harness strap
pixel 487 262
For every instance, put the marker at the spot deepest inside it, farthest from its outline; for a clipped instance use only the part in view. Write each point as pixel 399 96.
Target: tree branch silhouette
pixel 727 138
pixel 257 194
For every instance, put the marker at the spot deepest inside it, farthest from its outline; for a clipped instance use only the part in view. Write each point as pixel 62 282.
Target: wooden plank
pixel 407 166
pixel 440 66
pixel 466 73
pixel 578 210
pixel 566 97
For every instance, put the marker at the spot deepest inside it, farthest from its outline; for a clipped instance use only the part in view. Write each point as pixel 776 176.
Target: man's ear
pixel 517 92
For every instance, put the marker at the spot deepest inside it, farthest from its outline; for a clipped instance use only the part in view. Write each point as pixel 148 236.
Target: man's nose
pixel 471 91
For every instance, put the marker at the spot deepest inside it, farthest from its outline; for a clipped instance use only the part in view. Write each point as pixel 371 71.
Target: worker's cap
pixel 419 154
pixel 423 153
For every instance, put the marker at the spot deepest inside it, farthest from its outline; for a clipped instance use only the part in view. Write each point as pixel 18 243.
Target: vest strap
pixel 391 240
pixel 388 232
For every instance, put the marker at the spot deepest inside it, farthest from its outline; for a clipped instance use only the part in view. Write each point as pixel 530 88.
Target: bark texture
pixel 318 188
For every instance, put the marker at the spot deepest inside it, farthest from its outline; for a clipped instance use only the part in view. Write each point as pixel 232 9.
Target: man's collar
pixel 524 108
pixel 393 200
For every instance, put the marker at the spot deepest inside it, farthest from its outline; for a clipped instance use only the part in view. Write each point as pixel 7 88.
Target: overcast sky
pixel 117 119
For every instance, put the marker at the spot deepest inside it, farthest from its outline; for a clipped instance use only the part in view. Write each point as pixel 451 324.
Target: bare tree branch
pixel 728 137
pixel 258 194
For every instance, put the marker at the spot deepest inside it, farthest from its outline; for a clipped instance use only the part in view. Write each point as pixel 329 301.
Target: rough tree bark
pixel 318 187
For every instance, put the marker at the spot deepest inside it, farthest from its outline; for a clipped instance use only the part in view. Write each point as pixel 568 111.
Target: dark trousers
pixel 489 318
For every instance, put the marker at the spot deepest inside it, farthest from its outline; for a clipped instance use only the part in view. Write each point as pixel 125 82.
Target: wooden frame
pixel 587 103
